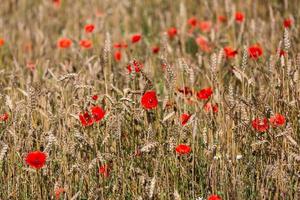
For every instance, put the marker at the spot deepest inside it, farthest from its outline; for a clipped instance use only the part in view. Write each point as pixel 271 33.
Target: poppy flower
pixel 4 117
pixel 104 170
pixel 260 125
pixel 58 192
pixel 118 56
pixel 183 149
pixel 95 97
pixel 135 38
pixel 255 51
pixel 222 18
pixel 137 66
pixel 89 28
pixel 30 65
pixel 214 197
pixel 56 3
pixel 86 119
pixel 185 90
pixel 239 17
pixel 64 43
pixel 98 113
pixel 192 21
pixel 184 118
pixel 155 49
pixel 282 53
pixel 209 107
pixel 277 120
pixel 229 52
pixel 87 44
pixel 149 100
pixel 203 44
pixel 205 26
pixel 204 93
pixel 36 159
pixel 172 32
pixel 120 45
pixel 287 23
pixel 1 42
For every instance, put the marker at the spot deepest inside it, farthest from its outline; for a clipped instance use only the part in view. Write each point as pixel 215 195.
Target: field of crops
pixel 149 99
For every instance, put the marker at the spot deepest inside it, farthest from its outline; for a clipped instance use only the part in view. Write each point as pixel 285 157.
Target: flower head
pixel 89 28
pixel 172 32
pixel 98 113
pixel 36 159
pixel 192 21
pixel 149 100
pixel 104 170
pixel 1 42
pixel 185 118
pixel 87 44
pixel 287 23
pixel 4 117
pixel 229 52
pixel 135 38
pixel 118 56
pixel 86 119
pixel 260 125
pixel 183 149
pixel 155 49
pixel 95 97
pixel 64 43
pixel 255 51
pixel 277 120
pixel 239 17
pixel 137 66
pixel 222 18
pixel 204 93
pixel 205 26
pixel 203 44
pixel 214 197
pixel 209 107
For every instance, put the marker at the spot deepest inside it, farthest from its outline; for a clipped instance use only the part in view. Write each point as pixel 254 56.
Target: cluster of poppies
pixel 65 43
pixel 263 124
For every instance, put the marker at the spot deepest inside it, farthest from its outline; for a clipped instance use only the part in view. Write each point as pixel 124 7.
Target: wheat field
pixel 154 99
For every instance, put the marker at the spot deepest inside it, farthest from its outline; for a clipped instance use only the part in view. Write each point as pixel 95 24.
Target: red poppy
pixel 277 120
pixel 58 191
pixel 36 159
pixel 149 100
pixel 222 19
pixel 260 125
pixel 172 32
pixel 239 17
pixel 185 91
pixel 204 93
pixel 64 43
pixel 4 117
pixel 229 52
pixel 1 42
pixel 104 170
pixel 56 3
pixel 205 26
pixel 155 49
pixel 87 44
pixel 214 197
pixel 255 51
pixel 135 38
pixel 89 28
pixel 282 53
pixel 137 66
pixel 287 23
pixel 95 97
pixel 203 44
pixel 30 65
pixel 120 45
pixel 184 118
pixel 192 21
pixel 209 107
pixel 98 113
pixel 118 56
pixel 86 119
pixel 183 149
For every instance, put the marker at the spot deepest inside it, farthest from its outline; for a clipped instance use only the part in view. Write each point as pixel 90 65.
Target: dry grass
pixel 228 156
